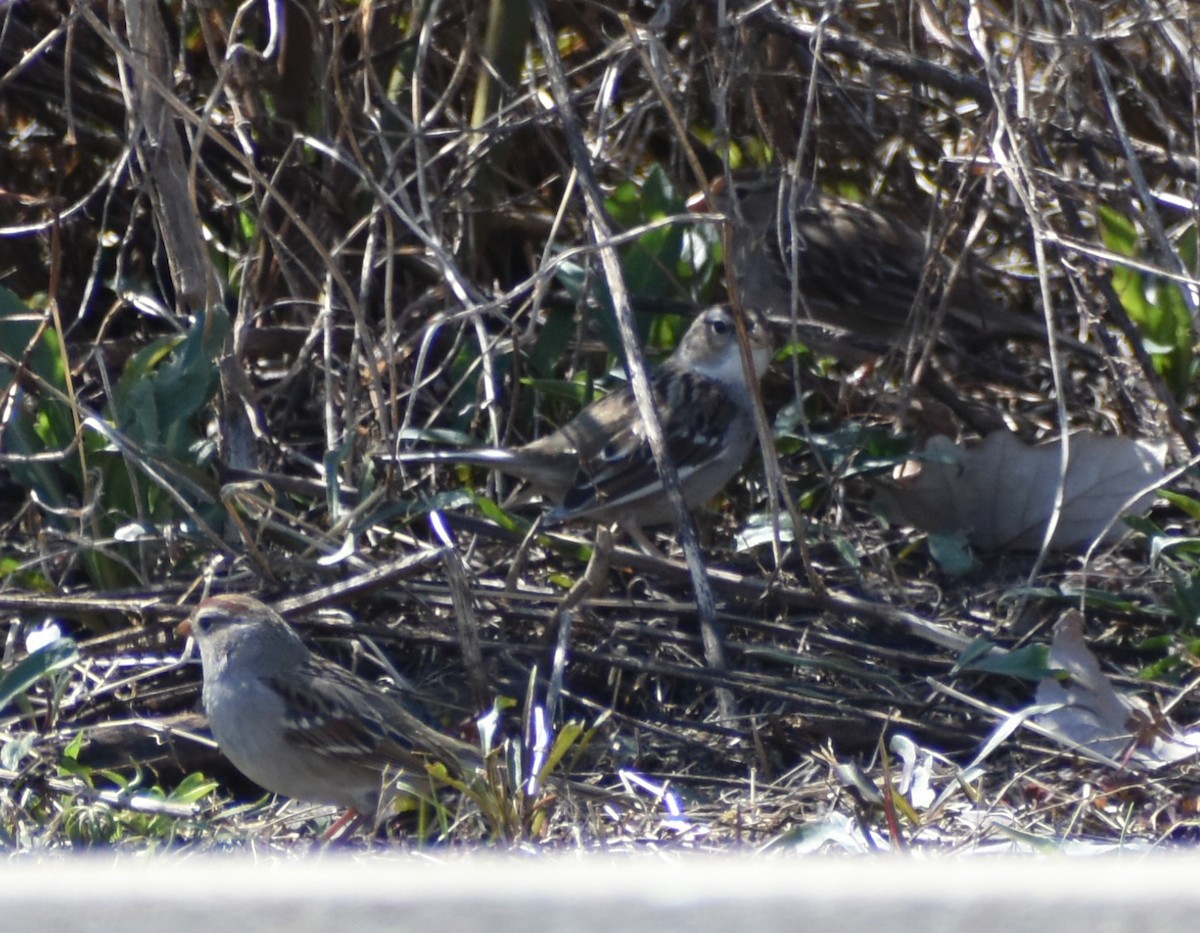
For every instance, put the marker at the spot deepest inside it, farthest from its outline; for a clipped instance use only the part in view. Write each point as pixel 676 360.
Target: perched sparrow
pixel 857 270
pixel 599 464
pixel 302 726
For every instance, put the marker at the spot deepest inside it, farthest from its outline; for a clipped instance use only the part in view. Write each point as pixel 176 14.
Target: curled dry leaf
pixel 1087 711
pixel 1001 493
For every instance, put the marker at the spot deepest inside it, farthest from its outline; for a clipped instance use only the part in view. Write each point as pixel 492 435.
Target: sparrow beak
pixel 697 203
pixel 184 628
pixel 700 202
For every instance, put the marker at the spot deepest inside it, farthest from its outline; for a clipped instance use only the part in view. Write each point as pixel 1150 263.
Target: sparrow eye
pixel 719 326
pixel 202 623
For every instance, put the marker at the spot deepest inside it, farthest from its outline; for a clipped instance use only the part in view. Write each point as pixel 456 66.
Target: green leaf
pixel 1185 600
pixel 952 553
pixel 1187 504
pixel 666 330
pixel 16 750
pixel 567 736
pixel 583 288
pixel 137 413
pixel 1031 662
pixel 1164 669
pixel 651 263
pixel 38 424
pixel 553 339
pixel 1156 644
pixel 192 788
pixel 415 507
pixel 332 467
pixel 166 383
pixel 1100 599
pixel 845 547
pixel 19 325
pixel 71 752
pixel 1188 249
pixel 189 380
pixel 23 439
pixel 973 652
pixel 1163 545
pixel 1156 305
pixel 18 574
pixel 625 204
pixel 1118 232
pixel 658 195
pixel 53 657
pixel 579 392
pixel 855 450
pixel 493 512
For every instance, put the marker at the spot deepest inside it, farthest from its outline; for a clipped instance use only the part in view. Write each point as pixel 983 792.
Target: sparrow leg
pixel 349 818
pixel 595 578
pixel 517 567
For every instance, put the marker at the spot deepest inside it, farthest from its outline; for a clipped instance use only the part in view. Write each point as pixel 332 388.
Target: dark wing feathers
pixel 347 717
pixel 695 413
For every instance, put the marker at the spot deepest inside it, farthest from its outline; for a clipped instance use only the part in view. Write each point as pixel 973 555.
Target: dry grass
pixel 393 229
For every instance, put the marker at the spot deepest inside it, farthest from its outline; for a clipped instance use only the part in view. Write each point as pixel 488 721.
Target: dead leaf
pixel 1089 712
pixel 1001 493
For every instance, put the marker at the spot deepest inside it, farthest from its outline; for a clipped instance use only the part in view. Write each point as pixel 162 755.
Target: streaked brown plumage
pixel 300 725
pixel 599 465
pixel 857 271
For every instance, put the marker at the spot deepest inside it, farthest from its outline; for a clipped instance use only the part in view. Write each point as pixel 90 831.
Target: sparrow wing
pixel 339 715
pixel 696 413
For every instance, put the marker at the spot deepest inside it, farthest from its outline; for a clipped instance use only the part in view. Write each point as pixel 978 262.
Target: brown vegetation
pixel 271 252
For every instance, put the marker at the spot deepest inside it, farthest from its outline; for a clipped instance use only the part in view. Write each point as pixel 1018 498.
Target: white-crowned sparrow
pixel 858 271
pixel 302 726
pixel 599 465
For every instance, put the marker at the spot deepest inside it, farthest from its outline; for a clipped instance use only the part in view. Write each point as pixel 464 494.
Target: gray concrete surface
pixel 650 892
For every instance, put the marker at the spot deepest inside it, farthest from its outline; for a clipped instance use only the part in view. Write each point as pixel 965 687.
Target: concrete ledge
pixel 655 893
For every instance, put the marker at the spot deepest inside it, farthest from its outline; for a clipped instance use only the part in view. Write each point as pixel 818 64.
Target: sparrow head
pixel 710 346
pixel 223 624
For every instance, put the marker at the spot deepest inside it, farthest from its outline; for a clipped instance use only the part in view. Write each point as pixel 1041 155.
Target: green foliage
pixel 1031 662
pixel 153 406
pixel 88 821
pixel 1155 304
pixel 408 508
pixel 493 511
pixel 45 662
pixel 553 339
pixel 667 262
pixel 851 450
pixel 41 426
pixel 951 551
pixel 578 392
pixel 1174 654
pixel 23 577
pixel 513 793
